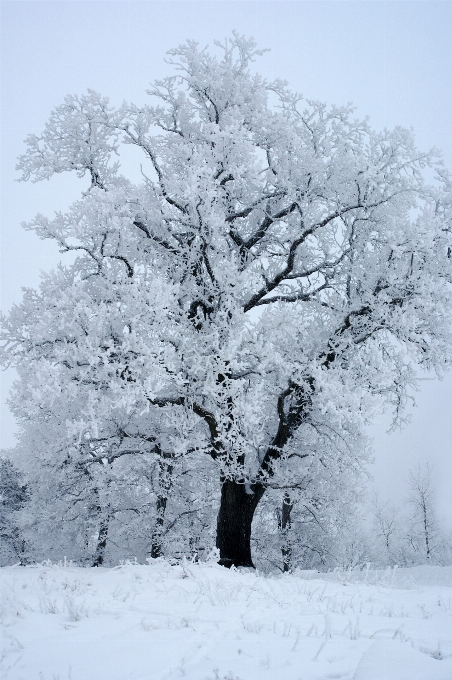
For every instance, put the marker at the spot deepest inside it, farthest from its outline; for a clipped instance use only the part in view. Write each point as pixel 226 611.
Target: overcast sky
pixel 393 60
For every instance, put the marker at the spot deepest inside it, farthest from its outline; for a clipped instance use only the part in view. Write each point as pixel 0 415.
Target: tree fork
pixel 239 500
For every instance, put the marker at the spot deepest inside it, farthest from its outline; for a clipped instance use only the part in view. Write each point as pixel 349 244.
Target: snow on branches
pixel 276 277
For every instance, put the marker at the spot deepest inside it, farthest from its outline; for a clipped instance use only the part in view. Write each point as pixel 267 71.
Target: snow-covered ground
pixel 204 622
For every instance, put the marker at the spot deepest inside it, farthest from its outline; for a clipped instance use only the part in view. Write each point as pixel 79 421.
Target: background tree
pixel 422 520
pixel 98 501
pixel 313 521
pixel 390 533
pixel 276 277
pixel 410 533
pixel 13 497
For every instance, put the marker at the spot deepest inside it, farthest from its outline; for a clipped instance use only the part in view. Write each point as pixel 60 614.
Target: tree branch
pixel 156 238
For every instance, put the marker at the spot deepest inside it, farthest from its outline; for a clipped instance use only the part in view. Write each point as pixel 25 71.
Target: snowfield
pixel 204 622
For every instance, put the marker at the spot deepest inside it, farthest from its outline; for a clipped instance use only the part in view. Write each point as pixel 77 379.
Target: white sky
pixel 393 60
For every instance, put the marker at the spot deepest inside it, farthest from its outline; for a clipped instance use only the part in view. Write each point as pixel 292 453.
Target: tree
pixel 13 497
pixel 312 521
pixel 411 534
pixel 424 525
pixel 274 279
pixel 388 531
pixel 105 496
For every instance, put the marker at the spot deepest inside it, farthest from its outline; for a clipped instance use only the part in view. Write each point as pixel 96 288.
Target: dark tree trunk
pixel 101 543
pixel 237 507
pixel 286 523
pixel 165 484
pixel 156 546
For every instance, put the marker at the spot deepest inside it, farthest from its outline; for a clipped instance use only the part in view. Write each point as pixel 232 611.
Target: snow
pixel 204 622
pixel 388 660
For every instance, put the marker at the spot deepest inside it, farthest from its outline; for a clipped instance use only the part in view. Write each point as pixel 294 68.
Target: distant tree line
pixel 164 513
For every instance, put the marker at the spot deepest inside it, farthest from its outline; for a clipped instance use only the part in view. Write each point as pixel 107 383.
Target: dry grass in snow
pixel 204 622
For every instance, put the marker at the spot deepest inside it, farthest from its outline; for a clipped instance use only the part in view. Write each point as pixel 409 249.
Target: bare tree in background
pixel 424 533
pixel 388 528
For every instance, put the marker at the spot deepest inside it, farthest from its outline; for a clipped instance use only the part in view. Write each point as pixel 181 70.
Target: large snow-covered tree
pixel 277 275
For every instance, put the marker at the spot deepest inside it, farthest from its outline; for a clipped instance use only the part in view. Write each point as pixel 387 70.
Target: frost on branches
pixel 276 277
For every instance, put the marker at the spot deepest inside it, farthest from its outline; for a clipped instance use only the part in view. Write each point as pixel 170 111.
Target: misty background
pixel 393 60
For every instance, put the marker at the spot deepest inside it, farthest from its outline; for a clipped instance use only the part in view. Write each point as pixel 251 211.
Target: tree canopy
pixel 278 276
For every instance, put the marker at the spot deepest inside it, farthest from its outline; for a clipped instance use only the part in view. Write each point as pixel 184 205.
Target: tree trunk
pixel 426 532
pixel 101 543
pixel 286 523
pixel 235 516
pixel 165 484
pixel 156 545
